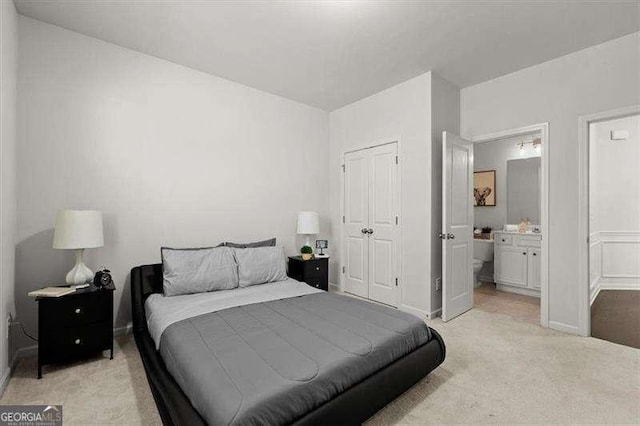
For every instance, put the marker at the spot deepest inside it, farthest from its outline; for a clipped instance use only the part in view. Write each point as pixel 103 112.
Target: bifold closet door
pixel 372 197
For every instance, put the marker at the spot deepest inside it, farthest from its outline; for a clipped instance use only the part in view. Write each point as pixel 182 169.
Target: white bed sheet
pixel 163 311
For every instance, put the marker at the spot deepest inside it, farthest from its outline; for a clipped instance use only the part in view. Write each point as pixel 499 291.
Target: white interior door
pixel 383 227
pixel 457 226
pixel 356 222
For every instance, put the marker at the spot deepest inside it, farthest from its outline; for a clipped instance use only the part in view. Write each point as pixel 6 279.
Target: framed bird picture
pixel 484 188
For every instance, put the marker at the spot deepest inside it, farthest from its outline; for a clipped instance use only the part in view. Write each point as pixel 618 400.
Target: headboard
pixel 145 280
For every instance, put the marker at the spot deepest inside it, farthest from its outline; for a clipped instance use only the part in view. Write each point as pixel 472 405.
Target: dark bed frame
pixel 351 407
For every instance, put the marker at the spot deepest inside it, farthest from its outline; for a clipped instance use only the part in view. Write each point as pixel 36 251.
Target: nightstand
pixel 314 272
pixel 75 325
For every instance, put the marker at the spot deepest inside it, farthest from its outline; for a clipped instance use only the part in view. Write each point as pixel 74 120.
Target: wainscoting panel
pixel 614 261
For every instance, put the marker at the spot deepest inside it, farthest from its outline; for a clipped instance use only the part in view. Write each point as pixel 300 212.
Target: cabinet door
pixel 533 268
pixel 511 266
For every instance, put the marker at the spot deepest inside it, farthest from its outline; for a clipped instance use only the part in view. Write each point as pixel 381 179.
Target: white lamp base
pixel 80 273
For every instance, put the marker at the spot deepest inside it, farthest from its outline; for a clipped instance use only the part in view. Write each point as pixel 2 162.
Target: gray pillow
pixel 260 265
pixel 265 243
pixel 186 271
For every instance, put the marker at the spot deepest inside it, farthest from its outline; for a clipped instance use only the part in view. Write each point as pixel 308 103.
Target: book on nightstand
pixel 52 292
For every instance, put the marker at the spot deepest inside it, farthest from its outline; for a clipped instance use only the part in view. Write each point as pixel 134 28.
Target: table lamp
pixel 78 230
pixel 308 224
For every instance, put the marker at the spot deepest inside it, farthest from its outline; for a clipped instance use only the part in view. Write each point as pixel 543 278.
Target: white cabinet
pixel 510 266
pixel 517 262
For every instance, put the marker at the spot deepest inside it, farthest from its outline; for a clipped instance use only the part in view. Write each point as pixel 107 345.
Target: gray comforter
pixel 272 362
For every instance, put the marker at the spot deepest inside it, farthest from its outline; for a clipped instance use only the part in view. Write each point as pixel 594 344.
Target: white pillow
pixel 186 271
pixel 260 265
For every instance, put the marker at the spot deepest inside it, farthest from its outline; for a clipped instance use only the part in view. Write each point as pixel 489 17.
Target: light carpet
pixel 497 371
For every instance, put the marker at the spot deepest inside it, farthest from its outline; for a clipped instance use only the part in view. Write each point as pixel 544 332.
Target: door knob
pixel 370 231
pixel 442 236
pixel 363 230
pixel 450 236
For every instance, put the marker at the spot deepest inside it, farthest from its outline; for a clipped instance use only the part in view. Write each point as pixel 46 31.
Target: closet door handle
pixel 451 236
pixel 363 230
pixel 370 231
pixel 524 253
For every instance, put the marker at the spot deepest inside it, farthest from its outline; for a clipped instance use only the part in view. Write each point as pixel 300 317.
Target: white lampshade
pixel 308 223
pixel 78 229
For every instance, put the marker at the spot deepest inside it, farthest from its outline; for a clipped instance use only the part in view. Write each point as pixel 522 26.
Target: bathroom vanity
pixel 517 259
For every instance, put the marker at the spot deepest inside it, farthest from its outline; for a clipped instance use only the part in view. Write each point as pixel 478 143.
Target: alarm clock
pixel 102 278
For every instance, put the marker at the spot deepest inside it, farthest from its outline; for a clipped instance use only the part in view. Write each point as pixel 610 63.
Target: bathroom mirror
pixel 523 190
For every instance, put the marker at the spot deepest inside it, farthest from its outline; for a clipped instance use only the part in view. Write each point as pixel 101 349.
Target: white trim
pixel 435 314
pixel 594 290
pixel 336 287
pixel 566 328
pixel 410 309
pixel 27 351
pixel 604 285
pixel 381 142
pixel 543 129
pixel 525 291
pixel 123 331
pixel 584 307
pixel 486 278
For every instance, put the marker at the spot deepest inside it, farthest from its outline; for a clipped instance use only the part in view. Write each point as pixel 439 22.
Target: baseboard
pixel 415 311
pixel 123 331
pixel 602 284
pixel 594 295
pixel 485 278
pixel 518 290
pixel 435 314
pixel 335 287
pixel 566 328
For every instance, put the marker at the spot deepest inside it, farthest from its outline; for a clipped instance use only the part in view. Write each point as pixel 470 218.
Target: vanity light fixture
pixel 536 143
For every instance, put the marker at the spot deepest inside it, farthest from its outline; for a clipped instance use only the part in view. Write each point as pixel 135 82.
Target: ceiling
pixel 331 53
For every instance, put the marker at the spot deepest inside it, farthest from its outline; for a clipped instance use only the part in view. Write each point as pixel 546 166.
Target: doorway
pixel 610 218
pixel 514 264
pixel 371 229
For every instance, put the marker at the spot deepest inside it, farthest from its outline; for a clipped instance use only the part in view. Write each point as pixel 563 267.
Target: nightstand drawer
pixel 74 341
pixel 74 311
pixel 314 268
pixel 317 282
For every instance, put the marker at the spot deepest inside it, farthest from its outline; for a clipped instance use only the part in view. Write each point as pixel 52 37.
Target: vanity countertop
pixel 518 233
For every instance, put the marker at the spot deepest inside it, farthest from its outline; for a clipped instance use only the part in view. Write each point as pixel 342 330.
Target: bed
pixel 231 361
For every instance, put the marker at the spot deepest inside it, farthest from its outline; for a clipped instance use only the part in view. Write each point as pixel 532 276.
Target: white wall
pixel 172 157
pixel 8 75
pixel 494 155
pixel 602 77
pixel 402 113
pixel 445 115
pixel 415 113
pixel 614 205
pixel 614 182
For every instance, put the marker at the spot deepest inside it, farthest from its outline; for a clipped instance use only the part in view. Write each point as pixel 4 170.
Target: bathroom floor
pixel 520 308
